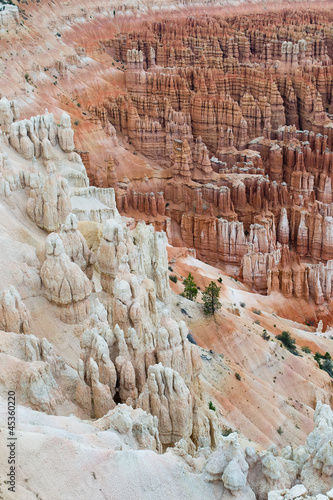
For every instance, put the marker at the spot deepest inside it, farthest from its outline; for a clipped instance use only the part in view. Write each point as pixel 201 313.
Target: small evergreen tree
pixel 190 288
pixel 210 298
pixel 287 341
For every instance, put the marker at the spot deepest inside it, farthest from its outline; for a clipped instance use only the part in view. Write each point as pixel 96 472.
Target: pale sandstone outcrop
pixel 9 112
pixel 64 283
pixel 167 397
pixel 9 17
pixel 76 246
pixel 9 180
pixel 66 134
pixel 30 367
pixel 135 425
pixel 14 315
pixel 49 202
pixel 228 464
pixel 39 135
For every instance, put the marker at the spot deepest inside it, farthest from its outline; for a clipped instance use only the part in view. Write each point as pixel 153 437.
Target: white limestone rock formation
pixel 317 471
pixel 174 350
pixel 283 228
pixel 101 394
pixel 30 367
pixel 83 395
pixel 95 347
pixel 76 246
pixel 9 17
pixel 66 134
pixel 298 492
pixel 64 283
pixel 9 179
pixel 138 428
pixel 14 315
pixel 40 388
pixel 49 202
pixel 94 204
pixel 9 112
pixel 39 135
pixel 167 397
pixel 153 260
pixel 116 248
pixel 228 464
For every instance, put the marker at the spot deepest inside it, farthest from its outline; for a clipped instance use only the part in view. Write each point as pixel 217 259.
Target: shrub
pixel 306 349
pixel 325 362
pixel 265 335
pixel 78 105
pixel 238 377
pixel 190 288
pixel 226 431
pixel 210 298
pixel 211 406
pixel 257 322
pixel 287 340
pixel 173 278
pixel 256 311
pixel 170 269
pixel 279 430
pixel 220 280
pixel 76 122
pixel 242 304
pixel 327 366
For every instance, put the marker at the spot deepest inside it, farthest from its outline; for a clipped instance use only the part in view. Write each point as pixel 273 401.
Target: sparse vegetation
pixel 327 366
pixel 306 349
pixel 173 278
pixel 226 431
pixel 210 298
pixel 211 406
pixel 325 362
pixel 287 340
pixel 190 288
pixel 265 335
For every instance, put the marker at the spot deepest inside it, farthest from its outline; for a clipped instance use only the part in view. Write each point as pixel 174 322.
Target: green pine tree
pixel 190 288
pixel 210 298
